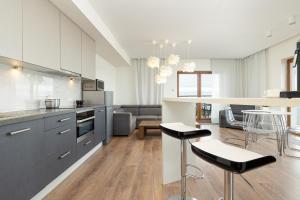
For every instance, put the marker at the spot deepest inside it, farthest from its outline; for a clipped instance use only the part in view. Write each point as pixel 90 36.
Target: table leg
pixel 141 132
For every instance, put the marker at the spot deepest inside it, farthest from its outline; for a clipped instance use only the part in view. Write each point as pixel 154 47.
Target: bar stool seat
pixel 232 160
pixel 182 132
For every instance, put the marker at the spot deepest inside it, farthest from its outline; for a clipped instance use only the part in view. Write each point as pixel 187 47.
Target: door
pixel 100 125
pixel 196 84
pixel 11 29
pixel 41 34
pixel 70 45
pixel 88 57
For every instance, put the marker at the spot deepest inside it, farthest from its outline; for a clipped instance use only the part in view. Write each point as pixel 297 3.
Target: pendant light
pixel 153 61
pixel 188 66
pixel 173 59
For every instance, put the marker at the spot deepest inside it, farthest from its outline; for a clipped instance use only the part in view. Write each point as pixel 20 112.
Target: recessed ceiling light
pixel 154 42
pixel 166 41
pixel 173 44
pixel 292 20
pixel 161 46
pixel 269 34
pixel 189 41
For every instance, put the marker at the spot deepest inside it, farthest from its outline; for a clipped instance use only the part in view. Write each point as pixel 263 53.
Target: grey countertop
pixel 7 118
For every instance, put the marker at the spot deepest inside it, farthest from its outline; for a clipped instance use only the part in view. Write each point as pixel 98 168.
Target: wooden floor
pixel 131 169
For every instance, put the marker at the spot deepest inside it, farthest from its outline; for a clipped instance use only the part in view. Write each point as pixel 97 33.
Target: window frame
pixel 198 73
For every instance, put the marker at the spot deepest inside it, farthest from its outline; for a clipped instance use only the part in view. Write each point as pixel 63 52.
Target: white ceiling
pixel 218 28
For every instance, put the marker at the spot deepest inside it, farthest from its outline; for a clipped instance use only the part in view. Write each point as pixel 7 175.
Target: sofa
pixel 237 113
pixel 128 117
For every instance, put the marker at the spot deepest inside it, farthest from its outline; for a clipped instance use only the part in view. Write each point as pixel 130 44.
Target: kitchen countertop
pixel 7 118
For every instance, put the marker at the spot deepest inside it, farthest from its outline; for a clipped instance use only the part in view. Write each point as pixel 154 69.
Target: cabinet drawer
pixel 59 120
pixel 59 162
pixel 85 146
pixel 60 139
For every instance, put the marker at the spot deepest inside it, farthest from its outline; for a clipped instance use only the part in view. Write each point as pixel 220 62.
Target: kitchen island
pixel 183 109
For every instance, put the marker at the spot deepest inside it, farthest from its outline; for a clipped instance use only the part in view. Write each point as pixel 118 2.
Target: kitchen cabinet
pixel 88 69
pixel 70 45
pixel 85 146
pixel 41 34
pixel 99 124
pixel 11 29
pixel 21 150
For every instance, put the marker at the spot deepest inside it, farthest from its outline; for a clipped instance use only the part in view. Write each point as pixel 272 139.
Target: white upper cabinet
pixel 41 34
pixel 11 29
pixel 70 45
pixel 88 57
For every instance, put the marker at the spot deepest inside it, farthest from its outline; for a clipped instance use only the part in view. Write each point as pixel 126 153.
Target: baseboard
pixel 53 184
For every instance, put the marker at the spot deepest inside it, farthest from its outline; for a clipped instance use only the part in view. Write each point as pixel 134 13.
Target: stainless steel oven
pixel 85 124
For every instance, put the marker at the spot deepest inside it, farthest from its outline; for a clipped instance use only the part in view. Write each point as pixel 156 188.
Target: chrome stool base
pixel 180 198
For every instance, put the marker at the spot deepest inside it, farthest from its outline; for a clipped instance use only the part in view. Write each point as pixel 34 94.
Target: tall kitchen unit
pixel 106 98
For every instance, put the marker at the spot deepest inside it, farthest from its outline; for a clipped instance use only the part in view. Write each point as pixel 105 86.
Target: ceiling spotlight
pixel 173 44
pixel 292 20
pixel 269 34
pixel 189 41
pixel 154 42
pixel 166 41
pixel 161 46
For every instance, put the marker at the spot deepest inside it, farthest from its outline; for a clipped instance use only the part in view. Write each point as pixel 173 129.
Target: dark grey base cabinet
pixel 21 150
pixel 100 121
pixel 85 146
pixel 34 153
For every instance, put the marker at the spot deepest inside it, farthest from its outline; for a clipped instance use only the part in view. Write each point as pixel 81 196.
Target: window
pixel 195 84
pixel 188 85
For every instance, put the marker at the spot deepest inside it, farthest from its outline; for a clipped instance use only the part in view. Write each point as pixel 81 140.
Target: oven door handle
pixel 86 119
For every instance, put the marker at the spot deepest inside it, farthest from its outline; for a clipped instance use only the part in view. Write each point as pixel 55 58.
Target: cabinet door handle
pixel 64 155
pixel 19 131
pixel 100 110
pixel 65 119
pixel 65 131
pixel 88 142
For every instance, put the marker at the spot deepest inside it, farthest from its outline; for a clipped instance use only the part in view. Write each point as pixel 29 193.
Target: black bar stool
pixel 232 160
pixel 183 132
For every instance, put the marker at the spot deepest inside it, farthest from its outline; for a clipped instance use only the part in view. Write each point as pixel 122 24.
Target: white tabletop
pixel 265 112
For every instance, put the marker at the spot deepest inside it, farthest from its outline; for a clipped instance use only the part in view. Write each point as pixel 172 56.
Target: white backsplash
pixel 27 89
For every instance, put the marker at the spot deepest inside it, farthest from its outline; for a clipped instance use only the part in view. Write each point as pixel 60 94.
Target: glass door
pixel 196 84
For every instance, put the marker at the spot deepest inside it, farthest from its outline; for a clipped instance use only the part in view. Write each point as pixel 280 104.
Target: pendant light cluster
pixel 165 65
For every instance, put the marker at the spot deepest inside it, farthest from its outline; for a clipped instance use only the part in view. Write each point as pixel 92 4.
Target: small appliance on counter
pixel 52 103
pixel 296 64
pixel 106 98
pixel 79 103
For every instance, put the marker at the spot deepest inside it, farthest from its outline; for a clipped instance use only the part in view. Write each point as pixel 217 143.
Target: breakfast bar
pixel 183 109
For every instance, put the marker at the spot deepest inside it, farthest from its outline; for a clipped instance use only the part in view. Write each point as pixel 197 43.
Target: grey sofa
pixel 128 117
pixel 237 113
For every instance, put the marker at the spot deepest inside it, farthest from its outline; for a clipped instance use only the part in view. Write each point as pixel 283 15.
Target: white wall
pixel 170 88
pixel 106 72
pixel 125 86
pixel 277 56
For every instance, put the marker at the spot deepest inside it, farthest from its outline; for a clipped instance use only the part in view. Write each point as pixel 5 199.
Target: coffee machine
pixel 296 64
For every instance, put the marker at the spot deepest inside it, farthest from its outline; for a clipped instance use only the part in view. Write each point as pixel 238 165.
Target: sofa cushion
pixel 237 109
pixel 134 109
pixel 149 111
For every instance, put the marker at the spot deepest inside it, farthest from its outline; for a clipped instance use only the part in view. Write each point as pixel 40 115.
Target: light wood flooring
pixel 131 169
